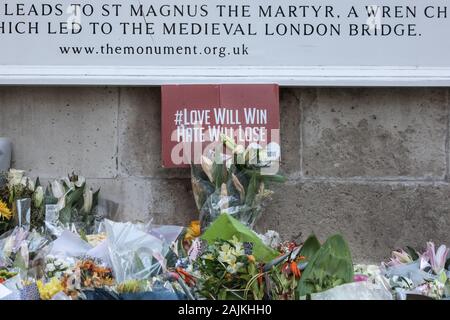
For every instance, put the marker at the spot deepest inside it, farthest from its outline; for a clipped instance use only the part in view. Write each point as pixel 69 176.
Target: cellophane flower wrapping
pixel 224 185
pixel 135 253
pixel 21 249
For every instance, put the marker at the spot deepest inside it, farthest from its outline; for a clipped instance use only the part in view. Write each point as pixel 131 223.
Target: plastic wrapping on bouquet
pixel 5 154
pixel 23 208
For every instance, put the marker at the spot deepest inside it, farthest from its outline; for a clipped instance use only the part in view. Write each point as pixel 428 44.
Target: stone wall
pixel 370 163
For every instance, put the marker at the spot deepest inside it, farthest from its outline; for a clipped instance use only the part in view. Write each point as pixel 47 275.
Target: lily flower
pixel 399 257
pixel 27 183
pixel 88 198
pixel 57 189
pixel 38 196
pixel 207 166
pixel 74 181
pixel 61 203
pixel 224 201
pixel 79 181
pixel 433 258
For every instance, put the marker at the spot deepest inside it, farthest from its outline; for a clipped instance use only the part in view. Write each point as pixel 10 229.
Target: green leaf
pixel 412 252
pixel 225 227
pixel 331 265
pixel 95 198
pixel 219 174
pixel 74 197
pixel 65 215
pixel 252 190
pixel 310 247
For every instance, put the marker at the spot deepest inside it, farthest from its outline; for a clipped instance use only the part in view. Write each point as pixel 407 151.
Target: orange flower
pixel 193 231
pixel 251 258
pixel 188 279
pixel 295 270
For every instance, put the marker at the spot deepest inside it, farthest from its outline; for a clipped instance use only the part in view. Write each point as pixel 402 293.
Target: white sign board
pixel 290 42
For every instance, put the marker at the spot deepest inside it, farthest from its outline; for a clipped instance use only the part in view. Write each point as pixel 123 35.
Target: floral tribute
pixel 57 242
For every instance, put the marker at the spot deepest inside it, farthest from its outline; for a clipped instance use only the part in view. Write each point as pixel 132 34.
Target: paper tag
pixel 4 291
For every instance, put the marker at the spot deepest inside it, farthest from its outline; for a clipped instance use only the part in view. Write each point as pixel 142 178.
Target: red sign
pixel 196 118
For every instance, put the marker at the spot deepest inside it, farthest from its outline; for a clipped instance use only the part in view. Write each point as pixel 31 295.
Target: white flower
pixel 88 197
pixel 69 184
pixel 61 203
pixel 27 183
pixel 233 268
pixel 38 196
pixel 207 166
pixel 58 274
pixel 238 247
pixel 79 183
pixel 15 177
pixel 208 256
pixel 50 267
pixel 57 189
pixel 72 184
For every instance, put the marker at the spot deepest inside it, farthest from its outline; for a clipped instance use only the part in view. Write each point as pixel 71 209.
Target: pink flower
pixel 433 258
pixel 360 278
pixel 399 257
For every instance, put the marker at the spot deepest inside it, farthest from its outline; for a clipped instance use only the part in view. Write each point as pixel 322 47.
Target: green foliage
pixel 225 227
pixel 226 271
pixel 412 253
pixel 329 267
pixel 310 247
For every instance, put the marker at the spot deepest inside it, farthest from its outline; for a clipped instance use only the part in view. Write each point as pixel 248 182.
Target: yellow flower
pixel 48 290
pixel 193 231
pixel 5 213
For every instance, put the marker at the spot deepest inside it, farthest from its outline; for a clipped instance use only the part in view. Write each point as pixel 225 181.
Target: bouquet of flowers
pixel 21 201
pixel 224 270
pixel 233 183
pixel 87 274
pixel 76 204
pixel 413 273
pixel 55 267
pixel 5 274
